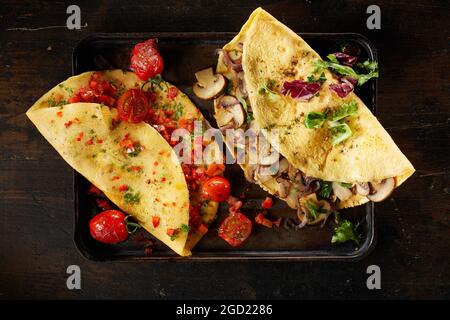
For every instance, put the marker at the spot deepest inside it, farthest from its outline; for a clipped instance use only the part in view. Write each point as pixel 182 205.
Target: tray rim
pixel 310 255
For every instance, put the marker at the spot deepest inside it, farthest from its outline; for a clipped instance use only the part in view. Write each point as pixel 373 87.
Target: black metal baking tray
pixel 184 54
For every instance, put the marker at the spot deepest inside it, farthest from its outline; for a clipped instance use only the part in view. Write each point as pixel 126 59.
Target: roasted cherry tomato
pixel 267 203
pixel 146 61
pixel 235 229
pixel 133 106
pixel 216 189
pixel 109 227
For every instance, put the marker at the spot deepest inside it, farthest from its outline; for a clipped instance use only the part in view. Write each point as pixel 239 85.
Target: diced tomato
pixel 215 169
pixel 277 222
pixel 235 229
pixel 171 232
pixel 90 142
pixel 155 221
pixel 80 136
pixel 59 114
pixel 123 187
pixel 234 204
pixel 98 90
pixel 103 204
pixel 262 220
pixel 94 190
pixel 267 203
pixel 172 93
pixel 202 229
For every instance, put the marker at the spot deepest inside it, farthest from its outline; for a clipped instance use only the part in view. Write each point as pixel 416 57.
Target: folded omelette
pixel 257 63
pixel 89 138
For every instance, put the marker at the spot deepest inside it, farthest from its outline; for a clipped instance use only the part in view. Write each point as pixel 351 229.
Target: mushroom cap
pixel 341 192
pixel 382 190
pixel 208 85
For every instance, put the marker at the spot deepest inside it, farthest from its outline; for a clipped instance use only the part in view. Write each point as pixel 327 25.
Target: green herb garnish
pixel 185 228
pixel 267 87
pixel 347 109
pixel 312 78
pixel 346 185
pixel 346 231
pixel 339 132
pixel 131 198
pixel 333 64
pixel 325 189
pixel 314 120
pixel 137 150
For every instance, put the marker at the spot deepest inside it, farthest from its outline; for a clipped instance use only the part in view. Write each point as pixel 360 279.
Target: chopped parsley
pixel 325 189
pixel 136 151
pixel 131 198
pixel 267 87
pixel 312 78
pixel 65 88
pixel 185 228
pixel 314 209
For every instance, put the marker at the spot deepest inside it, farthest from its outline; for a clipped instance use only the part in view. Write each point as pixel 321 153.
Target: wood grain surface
pixel 36 192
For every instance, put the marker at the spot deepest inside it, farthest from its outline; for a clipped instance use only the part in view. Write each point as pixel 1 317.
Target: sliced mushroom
pixel 303 211
pixel 363 188
pixel 283 166
pixel 283 187
pixel 209 85
pixel 341 192
pixel 235 55
pixel 382 190
pixel 230 117
pixel 227 101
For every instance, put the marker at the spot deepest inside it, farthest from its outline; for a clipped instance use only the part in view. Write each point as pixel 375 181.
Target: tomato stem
pixel 132 227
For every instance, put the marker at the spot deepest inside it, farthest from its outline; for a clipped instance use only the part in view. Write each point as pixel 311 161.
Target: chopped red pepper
pixel 202 229
pixel 80 136
pixel 267 203
pixel 94 190
pixel 172 93
pixel 277 222
pixel 90 142
pixel 103 204
pixel 171 232
pixel 115 178
pixel 99 141
pixel 155 221
pixel 68 124
pixel 262 220
pixel 59 114
pixel 123 187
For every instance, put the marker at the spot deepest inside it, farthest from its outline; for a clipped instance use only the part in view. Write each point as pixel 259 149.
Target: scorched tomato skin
pixel 216 189
pixel 109 227
pixel 133 106
pixel 146 61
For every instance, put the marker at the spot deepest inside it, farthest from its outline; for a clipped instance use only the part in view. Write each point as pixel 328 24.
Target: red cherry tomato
pixel 109 227
pixel 133 106
pixel 235 229
pixel 216 189
pixel 146 61
pixel 267 203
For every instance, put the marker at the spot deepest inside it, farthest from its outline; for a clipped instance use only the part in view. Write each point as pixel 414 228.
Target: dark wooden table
pixel 36 196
